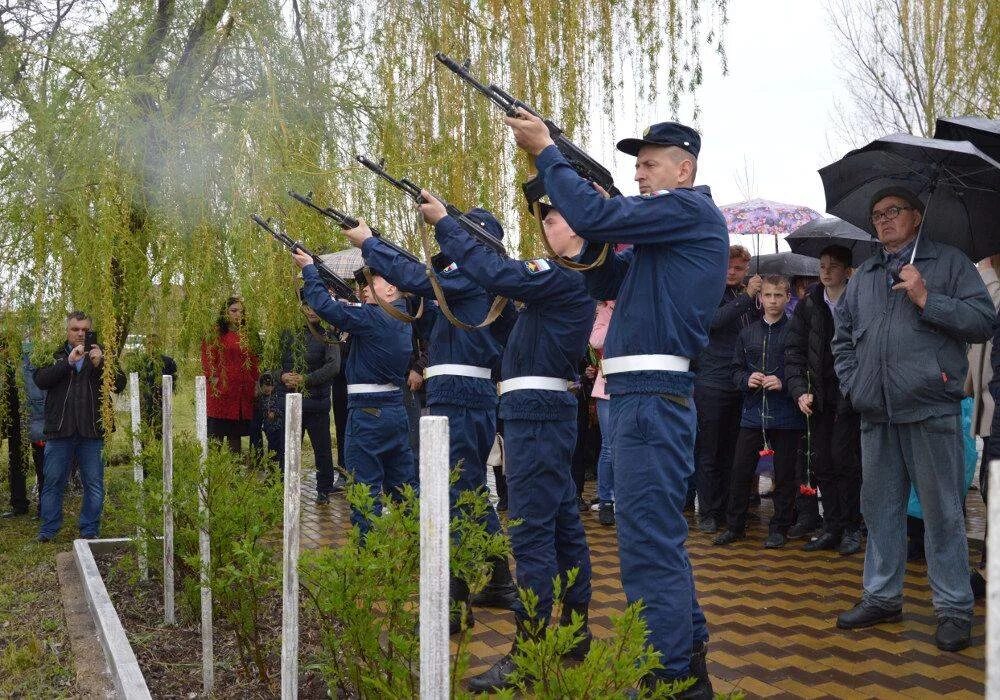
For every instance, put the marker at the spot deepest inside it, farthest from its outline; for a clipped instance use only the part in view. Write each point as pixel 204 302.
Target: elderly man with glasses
pixel 900 353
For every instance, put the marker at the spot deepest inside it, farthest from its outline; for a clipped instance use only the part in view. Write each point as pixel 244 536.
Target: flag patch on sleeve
pixel 451 268
pixel 537 266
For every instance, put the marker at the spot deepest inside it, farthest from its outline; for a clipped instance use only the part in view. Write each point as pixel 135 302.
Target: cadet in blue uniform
pixel 543 351
pixel 667 288
pixel 459 383
pixel 377 450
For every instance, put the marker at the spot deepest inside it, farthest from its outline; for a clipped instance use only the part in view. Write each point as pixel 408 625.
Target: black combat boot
pixel 580 649
pixel 500 592
pixel 460 611
pixel 498 676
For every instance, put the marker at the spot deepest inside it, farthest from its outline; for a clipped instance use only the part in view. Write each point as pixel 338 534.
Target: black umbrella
pixel 958 183
pixel 787 264
pixel 813 237
pixel 982 133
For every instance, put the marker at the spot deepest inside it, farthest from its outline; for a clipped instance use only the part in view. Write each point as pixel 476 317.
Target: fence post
pixel 434 531
pixel 167 442
pixel 290 563
pixel 207 651
pixel 133 391
pixel 993 583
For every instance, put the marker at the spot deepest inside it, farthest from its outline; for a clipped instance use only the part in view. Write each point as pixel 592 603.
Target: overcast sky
pixel 772 115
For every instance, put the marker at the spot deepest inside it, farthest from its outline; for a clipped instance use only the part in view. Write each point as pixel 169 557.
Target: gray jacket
pixel 899 364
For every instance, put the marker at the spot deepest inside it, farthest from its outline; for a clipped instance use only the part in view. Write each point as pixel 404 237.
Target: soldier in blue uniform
pixel 667 288
pixel 377 450
pixel 543 351
pixel 459 383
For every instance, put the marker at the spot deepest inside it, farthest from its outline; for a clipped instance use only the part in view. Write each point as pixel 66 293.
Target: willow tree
pixel 139 137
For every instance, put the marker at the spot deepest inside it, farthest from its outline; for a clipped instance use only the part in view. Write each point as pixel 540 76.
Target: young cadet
pixel 377 450
pixel 770 420
pixel 667 287
pixel 543 351
pixel 459 383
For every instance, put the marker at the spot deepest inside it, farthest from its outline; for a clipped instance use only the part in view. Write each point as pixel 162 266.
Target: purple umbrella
pixel 764 217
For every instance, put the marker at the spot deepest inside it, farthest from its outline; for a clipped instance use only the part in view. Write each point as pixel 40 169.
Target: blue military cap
pixel 489 222
pixel 664 134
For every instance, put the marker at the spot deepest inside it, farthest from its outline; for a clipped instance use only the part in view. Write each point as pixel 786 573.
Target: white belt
pixel 370 388
pixel 457 371
pixel 643 363
pixel 543 383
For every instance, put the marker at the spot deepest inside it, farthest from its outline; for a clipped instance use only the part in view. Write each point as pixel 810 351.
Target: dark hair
pixel 839 253
pixel 77 316
pixel 223 321
pixel 777 281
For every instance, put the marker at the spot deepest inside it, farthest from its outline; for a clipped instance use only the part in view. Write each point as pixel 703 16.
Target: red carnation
pixel 807 490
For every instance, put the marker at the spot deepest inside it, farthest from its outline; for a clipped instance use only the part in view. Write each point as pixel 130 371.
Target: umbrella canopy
pixel 344 262
pixel 757 244
pixel 982 133
pixel 787 264
pixel 958 183
pixel 812 238
pixel 762 216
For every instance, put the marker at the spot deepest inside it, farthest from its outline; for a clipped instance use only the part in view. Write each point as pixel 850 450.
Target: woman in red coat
pixel 231 372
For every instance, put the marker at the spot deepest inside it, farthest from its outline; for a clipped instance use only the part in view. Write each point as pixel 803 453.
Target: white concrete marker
pixel 201 428
pixel 434 516
pixel 167 441
pixel 290 559
pixel 133 395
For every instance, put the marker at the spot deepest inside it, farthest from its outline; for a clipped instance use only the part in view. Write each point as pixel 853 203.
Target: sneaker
pixel 850 543
pixel 953 634
pixel 606 514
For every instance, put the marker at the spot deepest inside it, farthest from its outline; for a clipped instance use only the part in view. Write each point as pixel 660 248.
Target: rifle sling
pixel 387 307
pixel 560 260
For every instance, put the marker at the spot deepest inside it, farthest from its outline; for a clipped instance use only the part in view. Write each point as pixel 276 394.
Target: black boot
pixel 500 592
pixel 498 676
pixel 460 611
pixel 501 481
pixel 699 667
pixel 580 649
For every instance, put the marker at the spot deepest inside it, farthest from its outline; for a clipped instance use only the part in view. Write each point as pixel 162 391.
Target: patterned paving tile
pixel 770 612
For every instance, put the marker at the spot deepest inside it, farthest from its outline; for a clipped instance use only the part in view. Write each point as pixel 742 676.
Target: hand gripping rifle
pixel 534 189
pixel 474 229
pixel 329 277
pixel 345 221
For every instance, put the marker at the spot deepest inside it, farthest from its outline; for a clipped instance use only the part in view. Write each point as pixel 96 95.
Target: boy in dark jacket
pixel 771 423
pixel 834 452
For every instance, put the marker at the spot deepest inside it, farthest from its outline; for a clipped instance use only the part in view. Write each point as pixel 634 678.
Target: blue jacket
pixel 900 364
pixel 447 344
pixel 668 285
pixel 760 347
pixel 550 335
pixel 736 311
pixel 380 345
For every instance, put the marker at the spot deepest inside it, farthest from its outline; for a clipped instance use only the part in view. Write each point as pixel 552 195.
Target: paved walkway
pixel 770 613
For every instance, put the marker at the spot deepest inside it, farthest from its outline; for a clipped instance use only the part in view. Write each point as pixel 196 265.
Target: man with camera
pixel 73 426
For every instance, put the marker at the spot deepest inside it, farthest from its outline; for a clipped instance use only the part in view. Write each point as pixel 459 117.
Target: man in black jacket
pixel 73 426
pixel 717 400
pixel 834 449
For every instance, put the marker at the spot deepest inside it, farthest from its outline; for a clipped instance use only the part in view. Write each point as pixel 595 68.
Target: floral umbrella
pixel 764 217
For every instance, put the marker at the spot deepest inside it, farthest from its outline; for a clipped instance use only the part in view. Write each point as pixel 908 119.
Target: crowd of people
pixel 645 327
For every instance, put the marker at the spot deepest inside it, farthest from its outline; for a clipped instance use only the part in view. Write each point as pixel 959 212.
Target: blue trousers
pixel 605 462
pixel 377 452
pixel 550 539
pixel 471 433
pixel 59 453
pixel 654 460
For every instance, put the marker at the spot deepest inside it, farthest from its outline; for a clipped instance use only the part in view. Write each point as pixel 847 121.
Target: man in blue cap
pixel 459 384
pixel 377 450
pixel 543 351
pixel 668 287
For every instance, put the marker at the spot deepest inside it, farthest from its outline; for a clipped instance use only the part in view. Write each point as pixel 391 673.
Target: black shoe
pixel 850 543
pixel 866 615
pixel 338 484
pixel 699 665
pixel 496 677
pixel 459 609
pixel 579 650
pixel 978 584
pixel 953 634
pixel 727 537
pixel 500 592
pixel 826 540
pixel 502 505
pixel 14 513
pixel 708 525
pixel 44 538
pixel 322 499
pixel 803 528
pixel 606 514
pixel 701 690
pixel 775 540
pixel 581 504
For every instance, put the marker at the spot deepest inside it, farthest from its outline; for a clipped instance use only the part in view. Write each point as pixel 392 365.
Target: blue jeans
pixel 654 461
pixel 605 470
pixel 930 455
pixel 59 453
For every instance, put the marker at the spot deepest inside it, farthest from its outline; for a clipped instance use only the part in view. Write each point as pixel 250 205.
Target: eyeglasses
pixel 887 214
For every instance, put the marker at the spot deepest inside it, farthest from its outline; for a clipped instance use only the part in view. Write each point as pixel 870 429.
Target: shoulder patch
pixel 537 266
pixel 654 195
pixel 352 303
pixel 451 268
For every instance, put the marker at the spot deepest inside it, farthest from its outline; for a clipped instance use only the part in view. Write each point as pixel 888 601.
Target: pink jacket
pixel 601 321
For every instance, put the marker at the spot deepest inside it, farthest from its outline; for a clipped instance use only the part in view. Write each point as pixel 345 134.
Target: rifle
pixel 345 221
pixel 329 277
pixel 534 189
pixel 412 190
